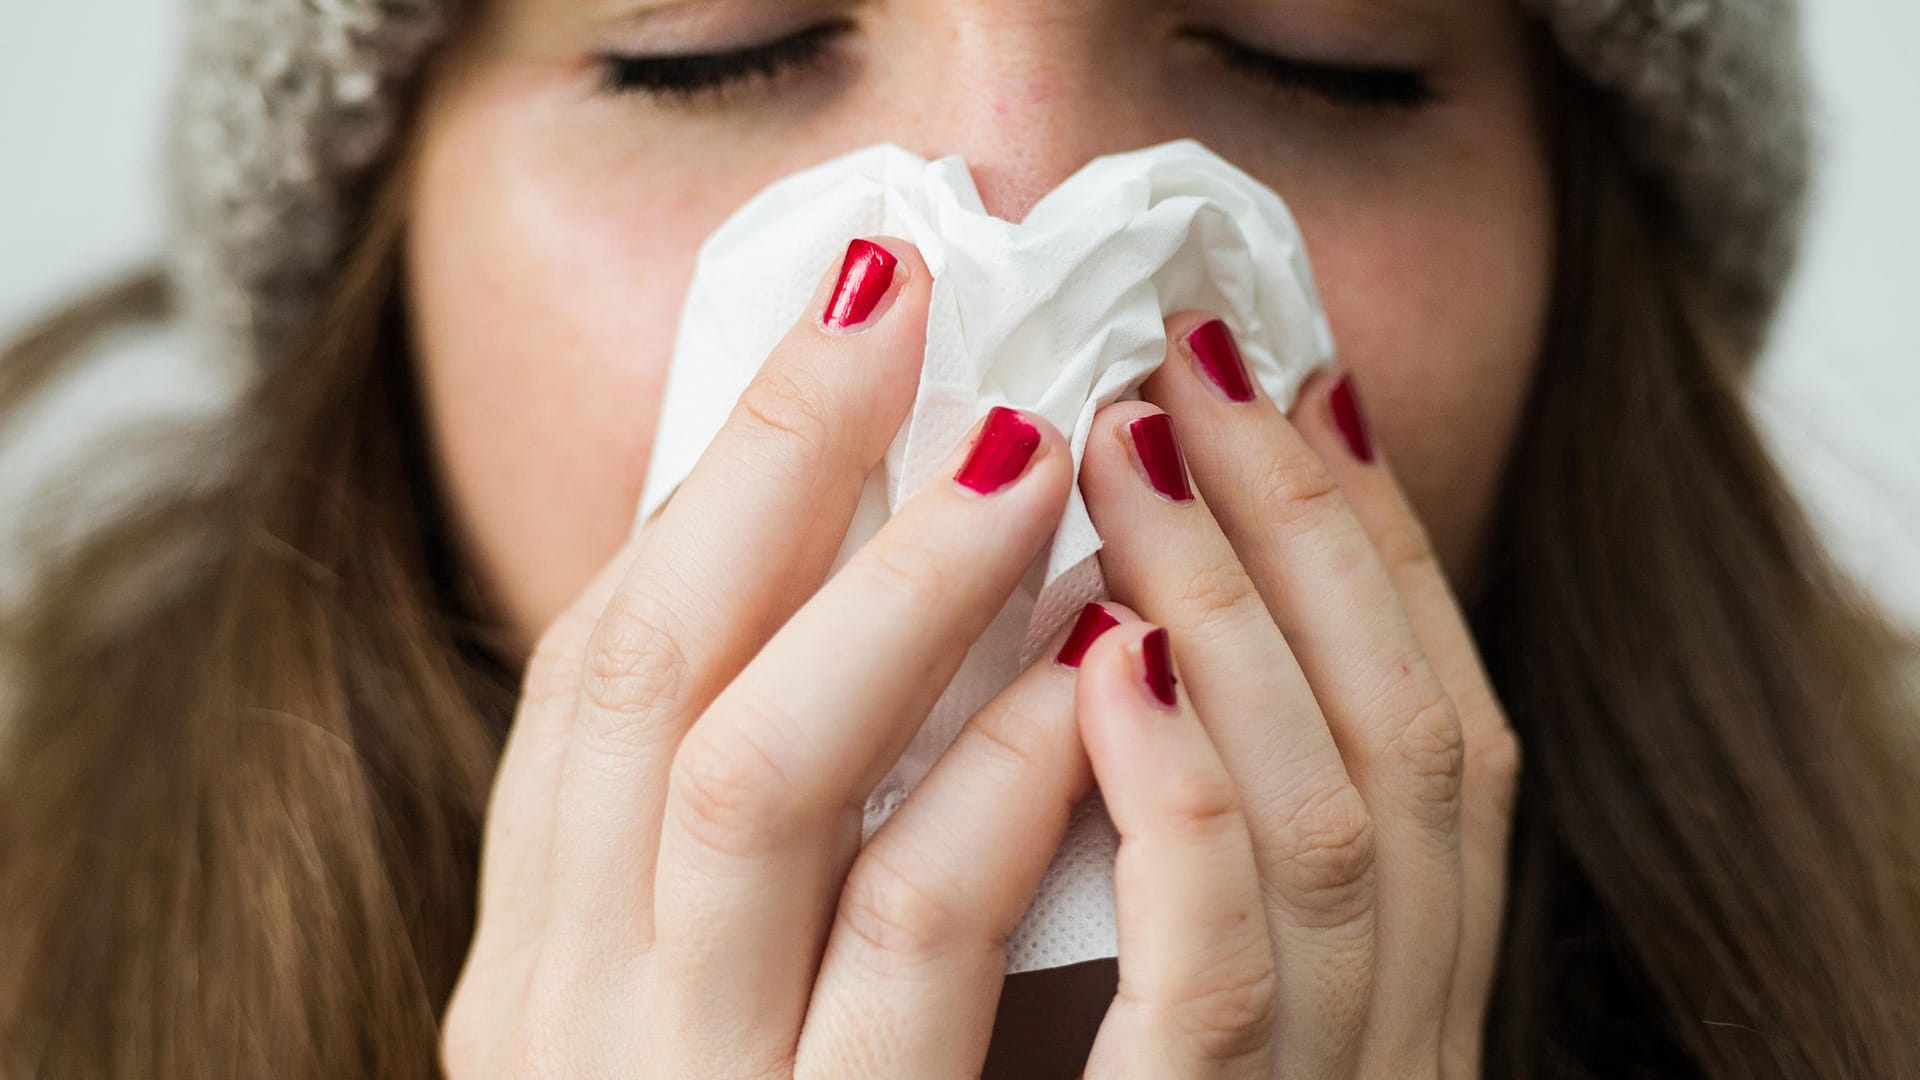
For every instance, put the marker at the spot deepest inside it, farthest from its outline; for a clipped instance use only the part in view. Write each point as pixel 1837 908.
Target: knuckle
pixel 789 411
pixel 1220 593
pixel 909 570
pixel 634 669
pixel 1431 751
pixel 1202 803
pixel 1006 739
pixel 1405 545
pixel 902 922
pixel 553 671
pixel 1494 761
pixel 1234 1014
pixel 1297 492
pixel 730 796
pixel 1322 858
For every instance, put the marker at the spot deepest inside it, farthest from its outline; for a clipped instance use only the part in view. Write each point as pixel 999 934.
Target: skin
pixel 1311 838
pixel 554 229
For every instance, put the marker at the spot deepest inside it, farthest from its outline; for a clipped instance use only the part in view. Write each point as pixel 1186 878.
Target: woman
pixel 381 751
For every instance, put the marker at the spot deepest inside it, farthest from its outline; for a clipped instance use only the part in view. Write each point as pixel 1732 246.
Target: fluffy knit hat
pixel 287 106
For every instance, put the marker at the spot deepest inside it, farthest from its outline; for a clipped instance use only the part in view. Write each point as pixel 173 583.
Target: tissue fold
pixel 1061 313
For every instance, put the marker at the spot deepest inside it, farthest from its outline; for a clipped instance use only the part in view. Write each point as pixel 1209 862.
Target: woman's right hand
pixel 672 879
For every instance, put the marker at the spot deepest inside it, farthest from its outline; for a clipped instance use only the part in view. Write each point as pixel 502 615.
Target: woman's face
pixel 555 217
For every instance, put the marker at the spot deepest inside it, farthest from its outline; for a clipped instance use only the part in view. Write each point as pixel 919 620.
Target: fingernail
pixel 1218 358
pixel 1343 401
pixel 1156 660
pixel 1094 620
pixel 1006 444
pixel 864 276
pixel 1158 454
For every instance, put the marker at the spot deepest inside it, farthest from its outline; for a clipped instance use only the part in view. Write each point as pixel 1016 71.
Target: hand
pixel 672 882
pixel 1325 803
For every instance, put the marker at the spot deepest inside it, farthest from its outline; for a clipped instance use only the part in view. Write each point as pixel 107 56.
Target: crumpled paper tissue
pixel 1061 313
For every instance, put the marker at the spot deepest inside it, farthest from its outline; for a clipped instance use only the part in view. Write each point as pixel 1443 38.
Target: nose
pixel 1027 90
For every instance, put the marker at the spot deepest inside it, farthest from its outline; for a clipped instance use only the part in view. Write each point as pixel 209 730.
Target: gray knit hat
pixel 288 106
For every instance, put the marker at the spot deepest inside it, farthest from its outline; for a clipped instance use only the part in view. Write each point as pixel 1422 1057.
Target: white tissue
pixel 1061 313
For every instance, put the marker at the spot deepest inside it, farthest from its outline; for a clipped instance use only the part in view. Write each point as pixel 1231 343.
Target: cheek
pixel 548 261
pixel 544 315
pixel 1438 300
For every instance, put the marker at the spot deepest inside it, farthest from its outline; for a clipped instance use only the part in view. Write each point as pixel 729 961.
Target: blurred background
pixel 83 93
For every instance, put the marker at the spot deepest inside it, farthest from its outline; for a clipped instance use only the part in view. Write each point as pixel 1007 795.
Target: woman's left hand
pixel 1313 835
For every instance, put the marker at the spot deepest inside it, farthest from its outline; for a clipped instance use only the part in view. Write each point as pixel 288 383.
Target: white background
pixel 83 91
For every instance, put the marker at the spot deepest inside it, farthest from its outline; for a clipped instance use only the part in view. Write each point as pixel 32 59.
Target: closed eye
pixel 685 76
pixel 1358 87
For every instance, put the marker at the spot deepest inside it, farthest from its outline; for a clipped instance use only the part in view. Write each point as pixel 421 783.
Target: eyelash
pixel 688 77
pixel 1350 87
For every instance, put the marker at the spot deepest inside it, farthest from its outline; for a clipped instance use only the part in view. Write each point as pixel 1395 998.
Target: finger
pixel 1330 418
pixel 911 977
pixel 515 854
pixel 1198 990
pixel 764 799
pixel 1332 597
pixel 1312 838
pixel 706 588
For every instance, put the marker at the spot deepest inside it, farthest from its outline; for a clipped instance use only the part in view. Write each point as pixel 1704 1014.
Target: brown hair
pixel 240 818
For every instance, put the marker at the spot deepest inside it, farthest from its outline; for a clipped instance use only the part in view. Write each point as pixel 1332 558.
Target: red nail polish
pixel 864 276
pixel 1006 444
pixel 1156 655
pixel 1159 456
pixel 1094 620
pixel 1344 402
pixel 1218 357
